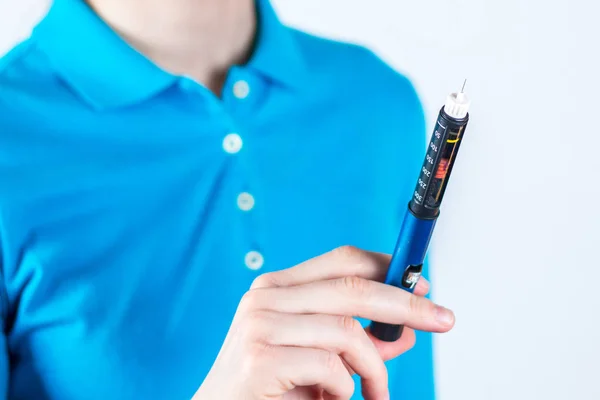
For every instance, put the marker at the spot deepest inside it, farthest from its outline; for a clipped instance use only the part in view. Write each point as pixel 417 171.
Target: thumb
pixel 390 350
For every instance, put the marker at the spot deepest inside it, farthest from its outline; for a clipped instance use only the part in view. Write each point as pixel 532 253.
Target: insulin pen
pixel 407 261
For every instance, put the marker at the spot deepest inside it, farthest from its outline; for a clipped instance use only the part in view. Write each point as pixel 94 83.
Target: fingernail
pixel 444 316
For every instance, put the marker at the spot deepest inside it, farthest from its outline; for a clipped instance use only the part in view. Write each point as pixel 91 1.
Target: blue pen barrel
pixel 407 261
pixel 406 265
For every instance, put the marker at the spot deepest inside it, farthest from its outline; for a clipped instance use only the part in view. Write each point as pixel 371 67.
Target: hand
pixel 294 336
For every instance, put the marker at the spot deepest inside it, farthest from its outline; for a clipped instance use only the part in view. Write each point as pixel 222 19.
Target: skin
pixel 294 336
pixel 201 39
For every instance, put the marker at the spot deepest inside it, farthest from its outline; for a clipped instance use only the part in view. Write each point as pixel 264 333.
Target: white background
pixel 516 251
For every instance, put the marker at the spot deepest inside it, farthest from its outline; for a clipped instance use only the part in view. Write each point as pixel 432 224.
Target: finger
pixel 339 263
pixel 343 261
pixel 390 350
pixel 298 367
pixel 341 335
pixel 355 297
pixel 422 288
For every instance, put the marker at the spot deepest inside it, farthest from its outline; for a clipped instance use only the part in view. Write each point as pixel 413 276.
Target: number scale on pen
pixel 423 210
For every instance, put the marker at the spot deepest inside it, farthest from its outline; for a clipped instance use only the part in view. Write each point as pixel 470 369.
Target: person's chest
pixel 128 246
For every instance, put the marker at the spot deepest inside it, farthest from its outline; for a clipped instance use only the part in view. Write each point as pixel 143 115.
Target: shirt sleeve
pixel 4 359
pixel 4 367
pixel 4 356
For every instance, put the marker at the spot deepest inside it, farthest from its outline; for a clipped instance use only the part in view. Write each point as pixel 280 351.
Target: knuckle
pixel 257 322
pixel 250 301
pixel 419 308
pixel 349 324
pixel 356 285
pixel 273 279
pixel 331 361
pixel 414 305
pixel 348 253
pixel 262 281
pixel 257 354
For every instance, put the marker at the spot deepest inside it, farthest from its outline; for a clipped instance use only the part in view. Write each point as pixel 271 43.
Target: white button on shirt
pixel 232 143
pixel 254 260
pixel 245 201
pixel 241 89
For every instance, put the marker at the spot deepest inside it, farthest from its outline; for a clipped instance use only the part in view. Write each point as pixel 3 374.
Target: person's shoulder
pixel 363 80
pixel 372 98
pixel 344 63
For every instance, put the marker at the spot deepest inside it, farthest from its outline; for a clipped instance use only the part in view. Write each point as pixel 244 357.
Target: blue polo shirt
pixel 136 207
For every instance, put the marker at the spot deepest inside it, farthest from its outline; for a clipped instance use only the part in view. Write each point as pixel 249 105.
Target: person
pixel 162 166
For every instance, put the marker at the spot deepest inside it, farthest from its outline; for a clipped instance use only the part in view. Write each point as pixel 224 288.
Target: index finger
pixel 355 297
pixel 339 263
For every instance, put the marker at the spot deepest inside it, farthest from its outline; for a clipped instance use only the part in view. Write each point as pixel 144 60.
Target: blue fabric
pixel 122 246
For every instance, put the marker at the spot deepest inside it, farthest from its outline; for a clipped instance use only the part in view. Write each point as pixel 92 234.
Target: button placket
pixel 254 260
pixel 240 97
pixel 245 201
pixel 241 89
pixel 232 143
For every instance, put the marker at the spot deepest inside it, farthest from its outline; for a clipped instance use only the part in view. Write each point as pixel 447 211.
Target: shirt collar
pixel 104 70
pixel 277 53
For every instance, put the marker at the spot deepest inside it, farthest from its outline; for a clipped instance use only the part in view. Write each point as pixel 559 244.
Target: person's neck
pixel 197 38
